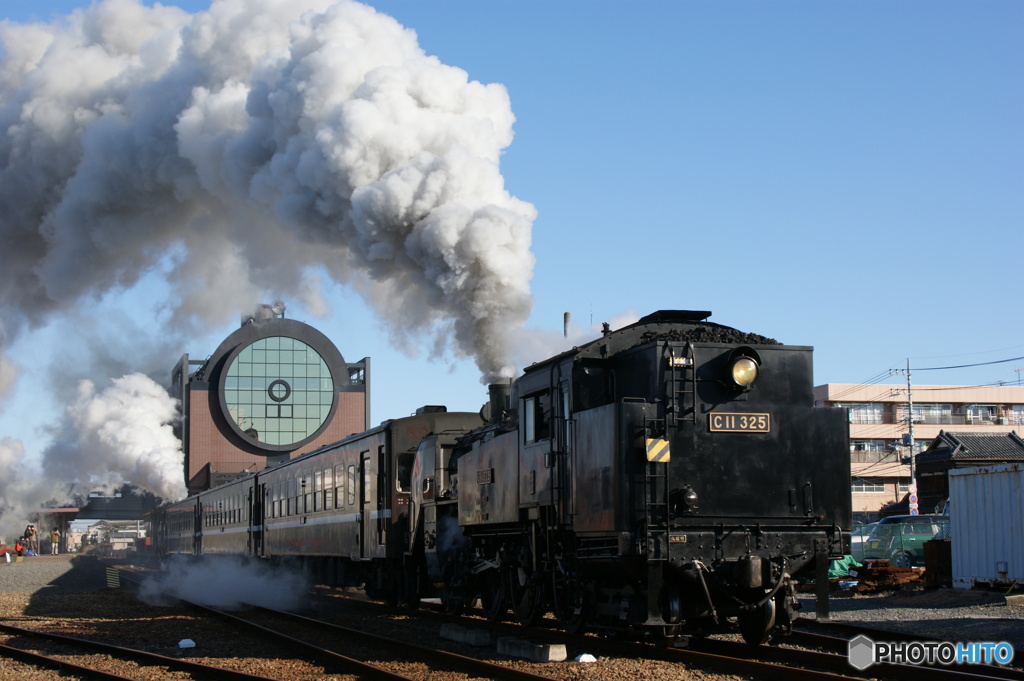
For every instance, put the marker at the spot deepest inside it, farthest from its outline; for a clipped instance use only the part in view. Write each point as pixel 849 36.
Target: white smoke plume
pixel 260 139
pixel 119 435
pixel 253 147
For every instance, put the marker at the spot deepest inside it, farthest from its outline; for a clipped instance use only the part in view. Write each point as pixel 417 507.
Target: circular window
pixel 278 391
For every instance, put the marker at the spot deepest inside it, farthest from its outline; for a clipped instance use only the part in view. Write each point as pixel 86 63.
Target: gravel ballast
pixel 71 594
pixel 943 614
pixel 56 574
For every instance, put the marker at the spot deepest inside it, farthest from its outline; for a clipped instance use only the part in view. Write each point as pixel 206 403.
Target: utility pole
pixel 910 417
pixel 908 439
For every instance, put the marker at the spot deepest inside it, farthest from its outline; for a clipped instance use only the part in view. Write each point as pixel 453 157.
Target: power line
pixel 967 366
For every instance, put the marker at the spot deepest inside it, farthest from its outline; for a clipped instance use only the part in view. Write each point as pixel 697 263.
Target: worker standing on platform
pixel 54 540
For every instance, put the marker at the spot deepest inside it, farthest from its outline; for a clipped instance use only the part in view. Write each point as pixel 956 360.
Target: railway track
pixel 372 646
pixel 836 637
pixel 713 655
pixel 146 662
pixel 731 657
pixel 798 657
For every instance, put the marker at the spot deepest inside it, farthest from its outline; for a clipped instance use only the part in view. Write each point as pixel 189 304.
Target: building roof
pixel 974 447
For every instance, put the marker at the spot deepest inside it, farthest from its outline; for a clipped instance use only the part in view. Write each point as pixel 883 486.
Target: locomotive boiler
pixel 672 477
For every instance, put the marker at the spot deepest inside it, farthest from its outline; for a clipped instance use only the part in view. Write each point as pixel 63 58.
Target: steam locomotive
pixel 669 477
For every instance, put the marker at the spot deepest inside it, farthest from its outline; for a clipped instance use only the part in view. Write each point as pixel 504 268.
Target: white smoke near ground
pixel 226 582
pixel 254 146
pixel 15 488
pixel 122 433
pixel 108 437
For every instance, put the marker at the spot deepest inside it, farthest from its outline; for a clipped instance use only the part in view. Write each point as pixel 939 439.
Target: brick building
pixel 272 390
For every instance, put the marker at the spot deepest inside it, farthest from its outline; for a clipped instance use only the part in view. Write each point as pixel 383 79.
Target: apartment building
pixel 883 434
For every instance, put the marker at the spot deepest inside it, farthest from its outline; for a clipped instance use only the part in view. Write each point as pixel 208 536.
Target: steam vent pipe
pixel 498 393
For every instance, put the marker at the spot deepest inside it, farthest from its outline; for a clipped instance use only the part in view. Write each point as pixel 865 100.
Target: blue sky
pixel 845 175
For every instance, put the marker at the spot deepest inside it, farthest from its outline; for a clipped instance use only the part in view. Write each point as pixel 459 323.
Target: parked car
pixel 858 539
pixel 900 539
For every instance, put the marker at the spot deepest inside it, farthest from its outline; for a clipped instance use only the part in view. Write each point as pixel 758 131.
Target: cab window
pixel 403 477
pixel 537 417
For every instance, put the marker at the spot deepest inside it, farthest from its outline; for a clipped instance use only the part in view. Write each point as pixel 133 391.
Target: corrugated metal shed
pixel 987 525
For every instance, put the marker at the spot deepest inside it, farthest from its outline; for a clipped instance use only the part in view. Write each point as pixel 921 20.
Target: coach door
pixel 256 515
pixel 367 522
pixel 197 528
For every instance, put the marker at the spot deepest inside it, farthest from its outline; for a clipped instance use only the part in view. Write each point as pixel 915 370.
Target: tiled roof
pixel 974 447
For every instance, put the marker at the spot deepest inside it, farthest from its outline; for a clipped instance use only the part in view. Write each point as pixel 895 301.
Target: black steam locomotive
pixel 670 477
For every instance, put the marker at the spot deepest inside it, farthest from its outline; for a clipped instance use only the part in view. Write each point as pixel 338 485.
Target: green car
pixel 900 539
pixel 859 539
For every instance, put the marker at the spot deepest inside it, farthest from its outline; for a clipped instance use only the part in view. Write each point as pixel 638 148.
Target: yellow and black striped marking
pixel 658 450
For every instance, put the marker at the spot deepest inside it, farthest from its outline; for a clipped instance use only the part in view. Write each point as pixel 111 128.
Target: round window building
pixel 272 390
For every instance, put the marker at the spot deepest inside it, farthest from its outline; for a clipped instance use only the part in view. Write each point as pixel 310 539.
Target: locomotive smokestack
pixel 565 324
pixel 499 394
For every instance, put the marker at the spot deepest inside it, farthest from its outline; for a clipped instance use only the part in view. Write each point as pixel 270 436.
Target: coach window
pixel 328 489
pixel 352 479
pixel 339 481
pixel 318 488
pixel 537 417
pixel 365 473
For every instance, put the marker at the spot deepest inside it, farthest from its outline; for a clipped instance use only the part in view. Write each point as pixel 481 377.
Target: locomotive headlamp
pixel 744 372
pixel 744 367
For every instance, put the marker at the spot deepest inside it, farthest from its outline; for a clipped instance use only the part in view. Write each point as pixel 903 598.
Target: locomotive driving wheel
pixel 455 596
pixel 570 602
pixel 526 596
pixel 493 598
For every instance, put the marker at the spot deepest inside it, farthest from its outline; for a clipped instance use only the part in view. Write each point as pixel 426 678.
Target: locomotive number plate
pixel 734 422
